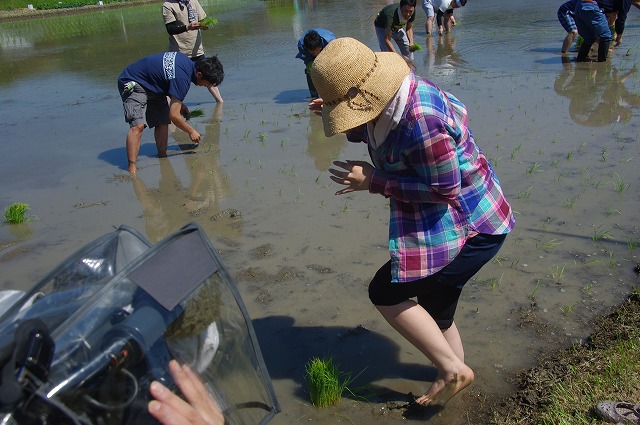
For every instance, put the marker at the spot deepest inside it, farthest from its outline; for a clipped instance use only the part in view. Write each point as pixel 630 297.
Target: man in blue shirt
pixel 144 87
pixel 309 45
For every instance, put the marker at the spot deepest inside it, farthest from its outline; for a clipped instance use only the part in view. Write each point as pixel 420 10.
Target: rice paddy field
pixel 562 137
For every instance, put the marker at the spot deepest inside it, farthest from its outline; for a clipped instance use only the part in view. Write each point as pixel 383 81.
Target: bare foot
pixel 132 167
pixel 443 389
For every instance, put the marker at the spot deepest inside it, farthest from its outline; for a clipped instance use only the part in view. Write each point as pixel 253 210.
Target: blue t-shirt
pixel 169 74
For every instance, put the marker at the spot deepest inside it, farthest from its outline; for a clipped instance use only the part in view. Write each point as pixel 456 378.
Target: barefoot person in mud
pixel 144 87
pixel 449 215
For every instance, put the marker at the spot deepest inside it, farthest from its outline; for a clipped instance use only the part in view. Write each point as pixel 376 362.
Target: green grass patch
pixel 51 4
pixel 16 213
pixel 326 382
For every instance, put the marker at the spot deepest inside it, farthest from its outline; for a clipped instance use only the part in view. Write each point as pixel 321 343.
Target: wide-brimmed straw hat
pixel 355 83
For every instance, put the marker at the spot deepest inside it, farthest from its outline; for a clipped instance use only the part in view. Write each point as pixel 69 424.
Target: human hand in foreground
pixel 316 106
pixel 198 408
pixel 354 174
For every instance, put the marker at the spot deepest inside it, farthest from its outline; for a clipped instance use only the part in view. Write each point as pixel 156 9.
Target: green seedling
pixel 196 113
pixel 16 213
pixel 207 22
pixel 326 382
pixel 415 47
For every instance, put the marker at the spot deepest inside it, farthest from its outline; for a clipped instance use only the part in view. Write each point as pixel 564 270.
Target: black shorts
pixel 438 293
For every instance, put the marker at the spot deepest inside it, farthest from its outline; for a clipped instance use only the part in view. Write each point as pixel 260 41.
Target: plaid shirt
pixel 441 187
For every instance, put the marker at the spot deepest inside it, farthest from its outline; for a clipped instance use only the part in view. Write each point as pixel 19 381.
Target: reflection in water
pixel 597 93
pixel 171 204
pixel 444 58
pixel 322 149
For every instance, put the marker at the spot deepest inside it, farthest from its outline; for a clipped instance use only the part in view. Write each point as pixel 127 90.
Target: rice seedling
pixel 551 244
pixel 632 245
pixel 599 234
pixel 16 213
pixel 415 47
pixel 207 22
pixel 263 136
pixel 326 382
pixel 619 184
pixel 567 310
pixel 613 263
pixel 604 154
pixel 570 202
pixel 569 155
pixel 557 273
pixel 535 168
pixel 612 211
pixel 555 163
pixel 195 113
pixel 523 194
pixel 587 290
pixel 532 297
pixel 493 282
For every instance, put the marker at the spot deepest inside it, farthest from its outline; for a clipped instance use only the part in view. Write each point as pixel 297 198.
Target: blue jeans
pixel 401 39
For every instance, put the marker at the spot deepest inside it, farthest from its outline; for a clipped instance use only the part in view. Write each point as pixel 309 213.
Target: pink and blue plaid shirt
pixel 441 187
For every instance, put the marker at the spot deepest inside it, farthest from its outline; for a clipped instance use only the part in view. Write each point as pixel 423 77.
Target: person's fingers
pixel 168 404
pixel 162 413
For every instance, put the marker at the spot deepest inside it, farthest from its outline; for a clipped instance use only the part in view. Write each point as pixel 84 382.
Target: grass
pixel 16 213
pixel 568 384
pixel 326 382
pixel 51 4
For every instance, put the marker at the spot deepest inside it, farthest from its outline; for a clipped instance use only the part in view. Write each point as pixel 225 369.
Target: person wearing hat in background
pixel 396 22
pixel 309 45
pixel 444 16
pixel 448 213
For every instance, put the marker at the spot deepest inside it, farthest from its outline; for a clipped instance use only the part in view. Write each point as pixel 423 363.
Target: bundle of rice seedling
pixel 207 22
pixel 415 47
pixel 196 113
pixel 16 213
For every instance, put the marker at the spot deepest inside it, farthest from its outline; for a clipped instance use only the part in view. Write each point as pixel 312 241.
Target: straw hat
pixel 355 83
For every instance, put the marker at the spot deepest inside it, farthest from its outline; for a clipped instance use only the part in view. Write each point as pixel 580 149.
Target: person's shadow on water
pixel 292 96
pixel 597 93
pixel 364 354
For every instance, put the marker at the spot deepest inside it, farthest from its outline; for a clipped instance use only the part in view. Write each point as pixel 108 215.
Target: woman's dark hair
pixel 211 70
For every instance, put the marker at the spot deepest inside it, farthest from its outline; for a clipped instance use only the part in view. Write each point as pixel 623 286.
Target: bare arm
pixel 175 114
pixel 387 39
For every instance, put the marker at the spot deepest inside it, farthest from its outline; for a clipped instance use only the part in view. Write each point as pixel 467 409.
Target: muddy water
pixel 563 139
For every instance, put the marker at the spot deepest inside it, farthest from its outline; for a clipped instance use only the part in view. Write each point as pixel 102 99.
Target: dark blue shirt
pixel 169 74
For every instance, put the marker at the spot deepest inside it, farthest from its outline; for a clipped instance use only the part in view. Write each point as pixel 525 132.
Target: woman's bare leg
pixel 416 325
